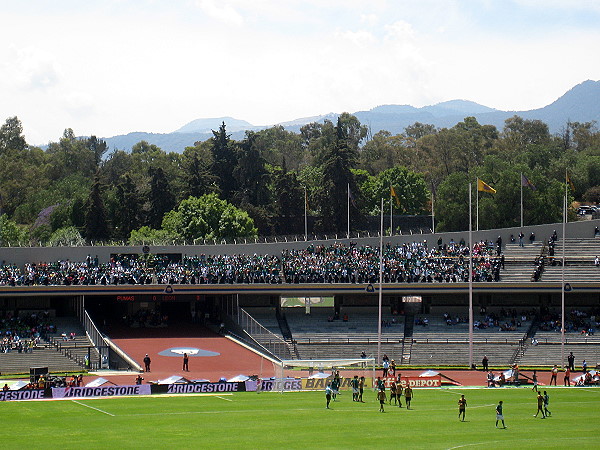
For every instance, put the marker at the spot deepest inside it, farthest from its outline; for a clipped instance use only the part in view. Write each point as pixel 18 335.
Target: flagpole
pixel 305 214
pixel 348 211
pixel 562 288
pixel 477 220
pixel 391 210
pixel 380 286
pixel 470 281
pixel 432 215
pixel 521 183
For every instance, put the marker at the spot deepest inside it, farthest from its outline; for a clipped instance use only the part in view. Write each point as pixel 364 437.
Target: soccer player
pixel 355 384
pixel 546 403
pixel 399 392
pixel 382 398
pixel 462 407
pixel 328 393
pixel 499 415
pixel 535 382
pixel 393 391
pixel 540 406
pixel 361 388
pixel 335 386
pixel 408 394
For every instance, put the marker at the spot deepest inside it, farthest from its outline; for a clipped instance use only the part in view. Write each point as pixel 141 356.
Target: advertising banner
pixel 416 382
pixel 102 391
pixel 286 384
pixel 26 394
pixel 204 388
pixel 321 383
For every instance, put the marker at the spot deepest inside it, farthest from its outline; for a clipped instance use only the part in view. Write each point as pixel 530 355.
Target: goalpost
pixel 315 374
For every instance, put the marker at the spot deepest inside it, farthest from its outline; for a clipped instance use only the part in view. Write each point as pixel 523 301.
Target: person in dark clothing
pixel 185 362
pixel 571 361
pixel 484 363
pixel 147 362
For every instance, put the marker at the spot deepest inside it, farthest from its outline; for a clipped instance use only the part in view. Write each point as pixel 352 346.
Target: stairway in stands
pixel 409 326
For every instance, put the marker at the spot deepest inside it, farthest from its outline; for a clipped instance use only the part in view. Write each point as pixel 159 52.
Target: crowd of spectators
pixel 576 321
pixel 337 263
pixel 23 333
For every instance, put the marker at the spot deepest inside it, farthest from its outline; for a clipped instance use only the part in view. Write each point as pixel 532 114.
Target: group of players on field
pixel 397 391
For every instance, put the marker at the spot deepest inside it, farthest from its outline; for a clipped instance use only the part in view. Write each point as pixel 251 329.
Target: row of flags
pixel 482 186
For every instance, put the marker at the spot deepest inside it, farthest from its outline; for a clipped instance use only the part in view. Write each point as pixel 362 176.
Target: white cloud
pixel 221 12
pixel 30 68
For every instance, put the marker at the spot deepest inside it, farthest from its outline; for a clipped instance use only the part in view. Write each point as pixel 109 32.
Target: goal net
pixel 315 374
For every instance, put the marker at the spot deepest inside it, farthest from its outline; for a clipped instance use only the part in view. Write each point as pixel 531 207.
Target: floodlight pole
pixel 380 287
pixel 470 281
pixel 562 284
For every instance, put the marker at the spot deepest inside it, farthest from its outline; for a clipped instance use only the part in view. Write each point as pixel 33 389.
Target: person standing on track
pixel 186 359
pixel 554 375
pixel 462 407
pixel 147 362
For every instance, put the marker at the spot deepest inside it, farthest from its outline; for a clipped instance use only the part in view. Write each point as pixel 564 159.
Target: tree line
pixel 77 191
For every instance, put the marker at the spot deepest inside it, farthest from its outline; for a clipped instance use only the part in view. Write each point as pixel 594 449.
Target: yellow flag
pixel 393 194
pixel 484 187
pixel 570 182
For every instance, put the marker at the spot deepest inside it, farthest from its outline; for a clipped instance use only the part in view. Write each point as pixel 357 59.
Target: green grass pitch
pixel 300 420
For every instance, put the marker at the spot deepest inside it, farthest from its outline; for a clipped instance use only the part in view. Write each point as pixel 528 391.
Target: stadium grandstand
pixel 65 308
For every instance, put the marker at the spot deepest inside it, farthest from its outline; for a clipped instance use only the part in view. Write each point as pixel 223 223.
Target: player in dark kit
pixel 355 384
pixel 540 406
pixel 546 403
pixel 499 414
pixel 462 407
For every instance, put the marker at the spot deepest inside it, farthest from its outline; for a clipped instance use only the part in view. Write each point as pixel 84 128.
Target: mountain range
pixel 579 104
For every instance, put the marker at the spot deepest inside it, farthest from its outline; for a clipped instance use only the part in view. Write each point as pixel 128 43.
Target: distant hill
pixel 579 104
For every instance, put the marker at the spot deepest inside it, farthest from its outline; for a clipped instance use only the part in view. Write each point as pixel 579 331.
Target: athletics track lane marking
pixel 91 407
pixel 223 398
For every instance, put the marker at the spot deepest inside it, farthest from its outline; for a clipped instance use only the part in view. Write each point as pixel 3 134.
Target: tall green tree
pixel 161 198
pixel 11 135
pixel 96 220
pixel 250 174
pixel 127 214
pixel 338 160
pixel 224 160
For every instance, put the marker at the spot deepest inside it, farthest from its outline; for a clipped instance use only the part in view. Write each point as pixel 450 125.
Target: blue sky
pixel 115 66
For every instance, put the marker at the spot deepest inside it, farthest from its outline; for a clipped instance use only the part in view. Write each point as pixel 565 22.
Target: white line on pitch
pixel 91 407
pixel 223 398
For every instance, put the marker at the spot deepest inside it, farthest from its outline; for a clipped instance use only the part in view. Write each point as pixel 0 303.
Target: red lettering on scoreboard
pixel 125 298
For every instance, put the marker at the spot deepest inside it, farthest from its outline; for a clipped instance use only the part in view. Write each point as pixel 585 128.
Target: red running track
pixel 233 359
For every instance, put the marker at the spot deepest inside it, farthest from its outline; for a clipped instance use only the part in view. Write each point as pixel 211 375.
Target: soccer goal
pixel 315 374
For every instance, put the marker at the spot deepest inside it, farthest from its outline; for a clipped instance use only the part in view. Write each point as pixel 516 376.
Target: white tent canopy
pixel 238 378
pixel 173 379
